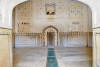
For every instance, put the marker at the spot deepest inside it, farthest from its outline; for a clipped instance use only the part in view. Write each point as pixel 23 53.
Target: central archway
pixel 54 32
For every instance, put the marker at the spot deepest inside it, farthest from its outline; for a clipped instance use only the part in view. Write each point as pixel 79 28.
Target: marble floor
pixel 30 57
pixel 74 57
pixel 66 57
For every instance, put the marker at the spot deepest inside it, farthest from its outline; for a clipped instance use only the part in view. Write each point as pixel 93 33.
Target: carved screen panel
pixel 73 39
pixel 50 9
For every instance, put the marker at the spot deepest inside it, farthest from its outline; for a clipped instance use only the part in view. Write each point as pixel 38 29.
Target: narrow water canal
pixel 51 59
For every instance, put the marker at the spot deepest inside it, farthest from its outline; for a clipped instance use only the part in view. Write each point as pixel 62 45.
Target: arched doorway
pixel 50 36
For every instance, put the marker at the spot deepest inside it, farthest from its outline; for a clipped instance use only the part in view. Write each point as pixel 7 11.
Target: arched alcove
pixel 46 31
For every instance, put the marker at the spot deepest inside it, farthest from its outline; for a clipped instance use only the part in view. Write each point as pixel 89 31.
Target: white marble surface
pixel 66 57
pixel 30 57
pixel 74 57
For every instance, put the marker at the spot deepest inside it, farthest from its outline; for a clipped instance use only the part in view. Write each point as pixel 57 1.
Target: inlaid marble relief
pixel 32 16
pixel 76 9
pixel 50 9
pixel 71 18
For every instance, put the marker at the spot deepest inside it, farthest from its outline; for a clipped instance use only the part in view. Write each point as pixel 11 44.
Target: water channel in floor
pixel 51 59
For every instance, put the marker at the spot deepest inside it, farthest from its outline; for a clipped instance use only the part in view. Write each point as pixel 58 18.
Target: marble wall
pixel 96 47
pixel 6 48
pixel 74 39
pixel 69 17
pixel 29 40
pixel 65 39
pixel 31 17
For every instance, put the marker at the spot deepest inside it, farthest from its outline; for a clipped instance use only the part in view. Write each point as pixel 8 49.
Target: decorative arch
pixel 89 4
pixel 50 29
